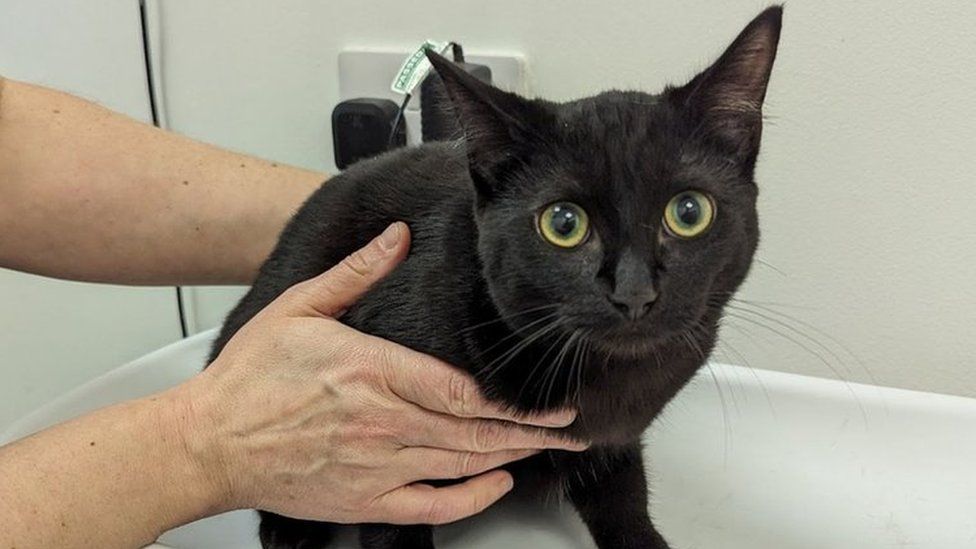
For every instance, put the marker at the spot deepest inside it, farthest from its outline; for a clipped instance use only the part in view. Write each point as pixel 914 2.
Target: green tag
pixel 416 67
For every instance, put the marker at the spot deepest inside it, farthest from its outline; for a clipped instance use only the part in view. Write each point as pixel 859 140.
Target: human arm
pixel 300 415
pixel 90 194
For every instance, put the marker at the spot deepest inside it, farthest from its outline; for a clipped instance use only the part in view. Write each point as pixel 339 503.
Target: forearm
pixel 89 194
pixel 116 478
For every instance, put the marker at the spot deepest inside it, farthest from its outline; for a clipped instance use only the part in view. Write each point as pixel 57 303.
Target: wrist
pixel 186 415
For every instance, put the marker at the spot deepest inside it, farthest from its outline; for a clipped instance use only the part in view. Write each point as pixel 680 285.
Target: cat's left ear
pixel 726 99
pixel 500 129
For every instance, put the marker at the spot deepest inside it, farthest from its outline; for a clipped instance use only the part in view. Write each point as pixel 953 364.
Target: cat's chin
pixel 630 344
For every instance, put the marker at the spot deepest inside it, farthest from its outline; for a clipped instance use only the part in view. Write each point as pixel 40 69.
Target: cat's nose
pixel 634 305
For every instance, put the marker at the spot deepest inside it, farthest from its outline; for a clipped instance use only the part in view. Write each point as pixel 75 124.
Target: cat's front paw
pixel 279 532
pixel 388 536
pixel 634 537
pixel 646 542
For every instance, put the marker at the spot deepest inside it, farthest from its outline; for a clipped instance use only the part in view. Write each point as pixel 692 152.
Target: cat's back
pixel 415 185
pixel 407 183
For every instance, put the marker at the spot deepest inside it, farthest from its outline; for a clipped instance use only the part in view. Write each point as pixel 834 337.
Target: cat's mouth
pixel 636 339
pixel 627 338
pixel 629 341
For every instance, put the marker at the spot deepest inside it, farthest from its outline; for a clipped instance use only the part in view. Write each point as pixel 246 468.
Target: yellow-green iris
pixel 689 214
pixel 564 224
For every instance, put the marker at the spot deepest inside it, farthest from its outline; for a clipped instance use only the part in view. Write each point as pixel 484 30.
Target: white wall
pixel 866 173
pixel 55 335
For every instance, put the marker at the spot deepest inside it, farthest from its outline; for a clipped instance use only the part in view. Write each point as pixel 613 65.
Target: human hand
pixel 306 417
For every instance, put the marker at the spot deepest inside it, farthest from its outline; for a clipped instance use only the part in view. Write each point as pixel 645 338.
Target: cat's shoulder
pixel 406 184
pixel 429 167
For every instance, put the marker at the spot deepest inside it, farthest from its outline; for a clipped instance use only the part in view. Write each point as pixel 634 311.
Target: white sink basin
pixel 791 462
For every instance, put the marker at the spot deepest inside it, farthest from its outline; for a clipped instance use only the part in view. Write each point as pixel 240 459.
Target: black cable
pixel 457 52
pixel 154 111
pixel 398 120
pixel 150 79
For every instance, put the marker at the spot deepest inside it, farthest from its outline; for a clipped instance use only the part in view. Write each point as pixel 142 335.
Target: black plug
pixel 363 127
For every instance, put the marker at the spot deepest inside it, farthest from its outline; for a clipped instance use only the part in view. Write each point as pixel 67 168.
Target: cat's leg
pixel 609 490
pixel 388 536
pixel 278 532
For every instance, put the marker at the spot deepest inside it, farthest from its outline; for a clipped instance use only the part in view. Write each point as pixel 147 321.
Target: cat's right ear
pixel 500 128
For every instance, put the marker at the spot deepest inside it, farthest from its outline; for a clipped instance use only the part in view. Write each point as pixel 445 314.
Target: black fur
pixel 478 261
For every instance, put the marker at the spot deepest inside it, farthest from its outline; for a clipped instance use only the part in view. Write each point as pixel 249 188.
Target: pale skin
pixel 300 414
pixel 90 194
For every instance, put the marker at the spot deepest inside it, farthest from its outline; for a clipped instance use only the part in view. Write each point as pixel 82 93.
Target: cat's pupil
pixel 564 221
pixel 688 211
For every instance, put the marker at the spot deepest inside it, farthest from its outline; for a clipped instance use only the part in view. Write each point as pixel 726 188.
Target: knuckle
pixel 358 263
pixel 305 290
pixel 467 464
pixel 375 431
pixel 488 435
pixel 357 362
pixel 359 503
pixel 438 511
pixel 363 374
pixel 460 396
pixel 310 294
pixel 350 368
pixel 296 291
pixel 379 360
pixel 370 419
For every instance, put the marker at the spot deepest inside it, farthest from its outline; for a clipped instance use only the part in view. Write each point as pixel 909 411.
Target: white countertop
pixel 789 462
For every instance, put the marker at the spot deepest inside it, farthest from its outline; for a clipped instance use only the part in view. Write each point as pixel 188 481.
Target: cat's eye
pixel 689 214
pixel 564 224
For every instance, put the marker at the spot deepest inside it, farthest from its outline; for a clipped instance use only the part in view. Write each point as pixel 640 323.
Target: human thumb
pixel 333 291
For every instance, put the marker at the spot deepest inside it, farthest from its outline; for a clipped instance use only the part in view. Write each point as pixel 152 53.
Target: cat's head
pixel 623 217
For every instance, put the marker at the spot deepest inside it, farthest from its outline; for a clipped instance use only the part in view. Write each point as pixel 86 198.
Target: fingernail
pixel 561 418
pixel 389 238
pixel 508 483
pixel 578 446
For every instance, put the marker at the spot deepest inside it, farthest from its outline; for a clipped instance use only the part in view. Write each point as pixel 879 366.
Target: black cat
pixel 592 245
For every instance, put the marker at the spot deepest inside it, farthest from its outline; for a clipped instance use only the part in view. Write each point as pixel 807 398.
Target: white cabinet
pixel 55 335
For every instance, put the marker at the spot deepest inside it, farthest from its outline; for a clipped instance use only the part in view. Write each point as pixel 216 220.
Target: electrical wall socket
pixel 368 73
